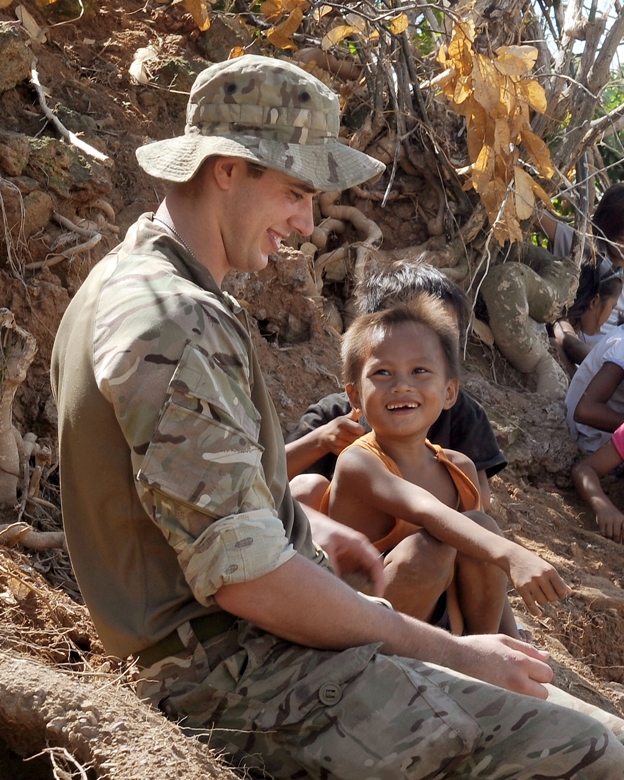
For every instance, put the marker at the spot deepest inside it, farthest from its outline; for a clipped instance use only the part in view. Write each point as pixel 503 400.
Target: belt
pixel 204 627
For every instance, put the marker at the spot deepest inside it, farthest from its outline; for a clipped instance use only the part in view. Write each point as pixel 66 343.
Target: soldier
pixel 188 548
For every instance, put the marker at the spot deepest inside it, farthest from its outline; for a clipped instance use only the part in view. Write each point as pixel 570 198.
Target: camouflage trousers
pixel 292 712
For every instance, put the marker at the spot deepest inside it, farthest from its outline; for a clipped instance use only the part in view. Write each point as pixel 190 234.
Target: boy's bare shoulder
pixel 460 460
pixel 354 458
pixel 455 456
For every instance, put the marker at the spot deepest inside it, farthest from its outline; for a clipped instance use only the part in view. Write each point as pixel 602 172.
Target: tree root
pixel 92 231
pixel 22 533
pixel 343 69
pixel 17 350
pixel 519 300
pixel 101 727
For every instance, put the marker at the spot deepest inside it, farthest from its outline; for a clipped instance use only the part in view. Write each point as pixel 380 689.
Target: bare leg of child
pixel 482 590
pixel 309 489
pixel 418 571
pixel 509 626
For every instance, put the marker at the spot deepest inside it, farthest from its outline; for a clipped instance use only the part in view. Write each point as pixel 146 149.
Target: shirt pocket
pixel 216 385
pixel 318 688
pixel 203 462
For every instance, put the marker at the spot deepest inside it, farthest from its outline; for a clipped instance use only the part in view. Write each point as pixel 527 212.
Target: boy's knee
pixel 423 555
pixel 485 521
pixel 309 489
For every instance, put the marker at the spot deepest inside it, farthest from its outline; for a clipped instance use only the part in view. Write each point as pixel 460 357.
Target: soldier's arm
pixel 305 604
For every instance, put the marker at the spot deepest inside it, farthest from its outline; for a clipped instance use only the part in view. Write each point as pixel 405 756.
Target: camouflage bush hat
pixel 266 111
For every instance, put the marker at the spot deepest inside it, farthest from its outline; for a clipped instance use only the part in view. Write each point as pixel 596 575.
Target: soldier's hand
pixel 503 661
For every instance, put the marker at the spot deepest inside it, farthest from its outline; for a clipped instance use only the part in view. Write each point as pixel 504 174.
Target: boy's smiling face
pixel 404 384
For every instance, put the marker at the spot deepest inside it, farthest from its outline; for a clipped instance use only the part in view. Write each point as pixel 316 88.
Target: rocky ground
pixel 67 694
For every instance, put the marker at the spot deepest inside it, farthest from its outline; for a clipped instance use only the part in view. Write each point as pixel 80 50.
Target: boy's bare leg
pixel 509 626
pixel 482 588
pixel 418 570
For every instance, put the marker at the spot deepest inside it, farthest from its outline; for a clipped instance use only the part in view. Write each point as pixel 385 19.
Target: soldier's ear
pixel 227 169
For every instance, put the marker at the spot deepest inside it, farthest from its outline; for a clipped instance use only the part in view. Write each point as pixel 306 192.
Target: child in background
pixel 599 288
pixel 401 369
pixel 586 475
pixel 607 243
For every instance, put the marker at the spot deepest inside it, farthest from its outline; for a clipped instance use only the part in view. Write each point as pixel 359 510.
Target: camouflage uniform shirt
pixel 172 462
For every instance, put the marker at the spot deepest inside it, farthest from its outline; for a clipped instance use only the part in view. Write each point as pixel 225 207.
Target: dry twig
pixel 67 134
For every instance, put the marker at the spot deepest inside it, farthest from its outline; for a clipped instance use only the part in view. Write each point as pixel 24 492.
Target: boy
pixel 328 426
pixel 401 370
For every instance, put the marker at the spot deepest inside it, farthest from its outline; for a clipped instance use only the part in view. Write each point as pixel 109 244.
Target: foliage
pixel 495 96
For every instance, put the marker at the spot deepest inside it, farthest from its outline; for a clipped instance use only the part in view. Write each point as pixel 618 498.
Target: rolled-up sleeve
pixel 186 411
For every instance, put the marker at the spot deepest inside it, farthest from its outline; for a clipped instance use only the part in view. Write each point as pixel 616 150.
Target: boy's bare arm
pixel 586 476
pixel 362 475
pixel 334 436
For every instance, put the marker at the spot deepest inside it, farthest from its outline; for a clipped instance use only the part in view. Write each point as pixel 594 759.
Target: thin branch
pixel 72 138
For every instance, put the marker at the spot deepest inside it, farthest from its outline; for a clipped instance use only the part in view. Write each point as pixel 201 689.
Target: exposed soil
pixel 84 65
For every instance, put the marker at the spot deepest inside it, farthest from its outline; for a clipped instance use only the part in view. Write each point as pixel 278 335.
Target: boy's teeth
pixel 401 406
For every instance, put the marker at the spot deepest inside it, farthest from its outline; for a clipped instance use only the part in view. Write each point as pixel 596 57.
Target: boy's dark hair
pixel 401 281
pixel 594 279
pixel 608 219
pixel 423 310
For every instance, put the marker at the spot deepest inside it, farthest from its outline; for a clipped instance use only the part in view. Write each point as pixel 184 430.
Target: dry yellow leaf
pixel 493 197
pixel 487 82
pixel 336 35
pixel 463 89
pixel 507 228
pixel 236 52
pixel 534 94
pixel 476 125
pixel 542 195
pixel 501 212
pixel 483 169
pixel 507 102
pixel 538 152
pixel 461 55
pixel 519 120
pixel 525 196
pixel 355 20
pixel 399 24
pixel 515 60
pixel 321 11
pixel 502 138
pixel 199 11
pixel 272 9
pixel 280 36
pixel 7 3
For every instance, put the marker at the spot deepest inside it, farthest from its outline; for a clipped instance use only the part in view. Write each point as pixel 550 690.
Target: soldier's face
pixel 261 213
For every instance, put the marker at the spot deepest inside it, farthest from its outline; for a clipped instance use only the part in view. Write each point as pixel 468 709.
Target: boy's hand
pixel 349 551
pixel 611 524
pixel 342 431
pixel 535 580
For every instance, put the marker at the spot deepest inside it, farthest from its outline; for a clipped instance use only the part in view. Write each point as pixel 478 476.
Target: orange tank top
pixel 469 497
